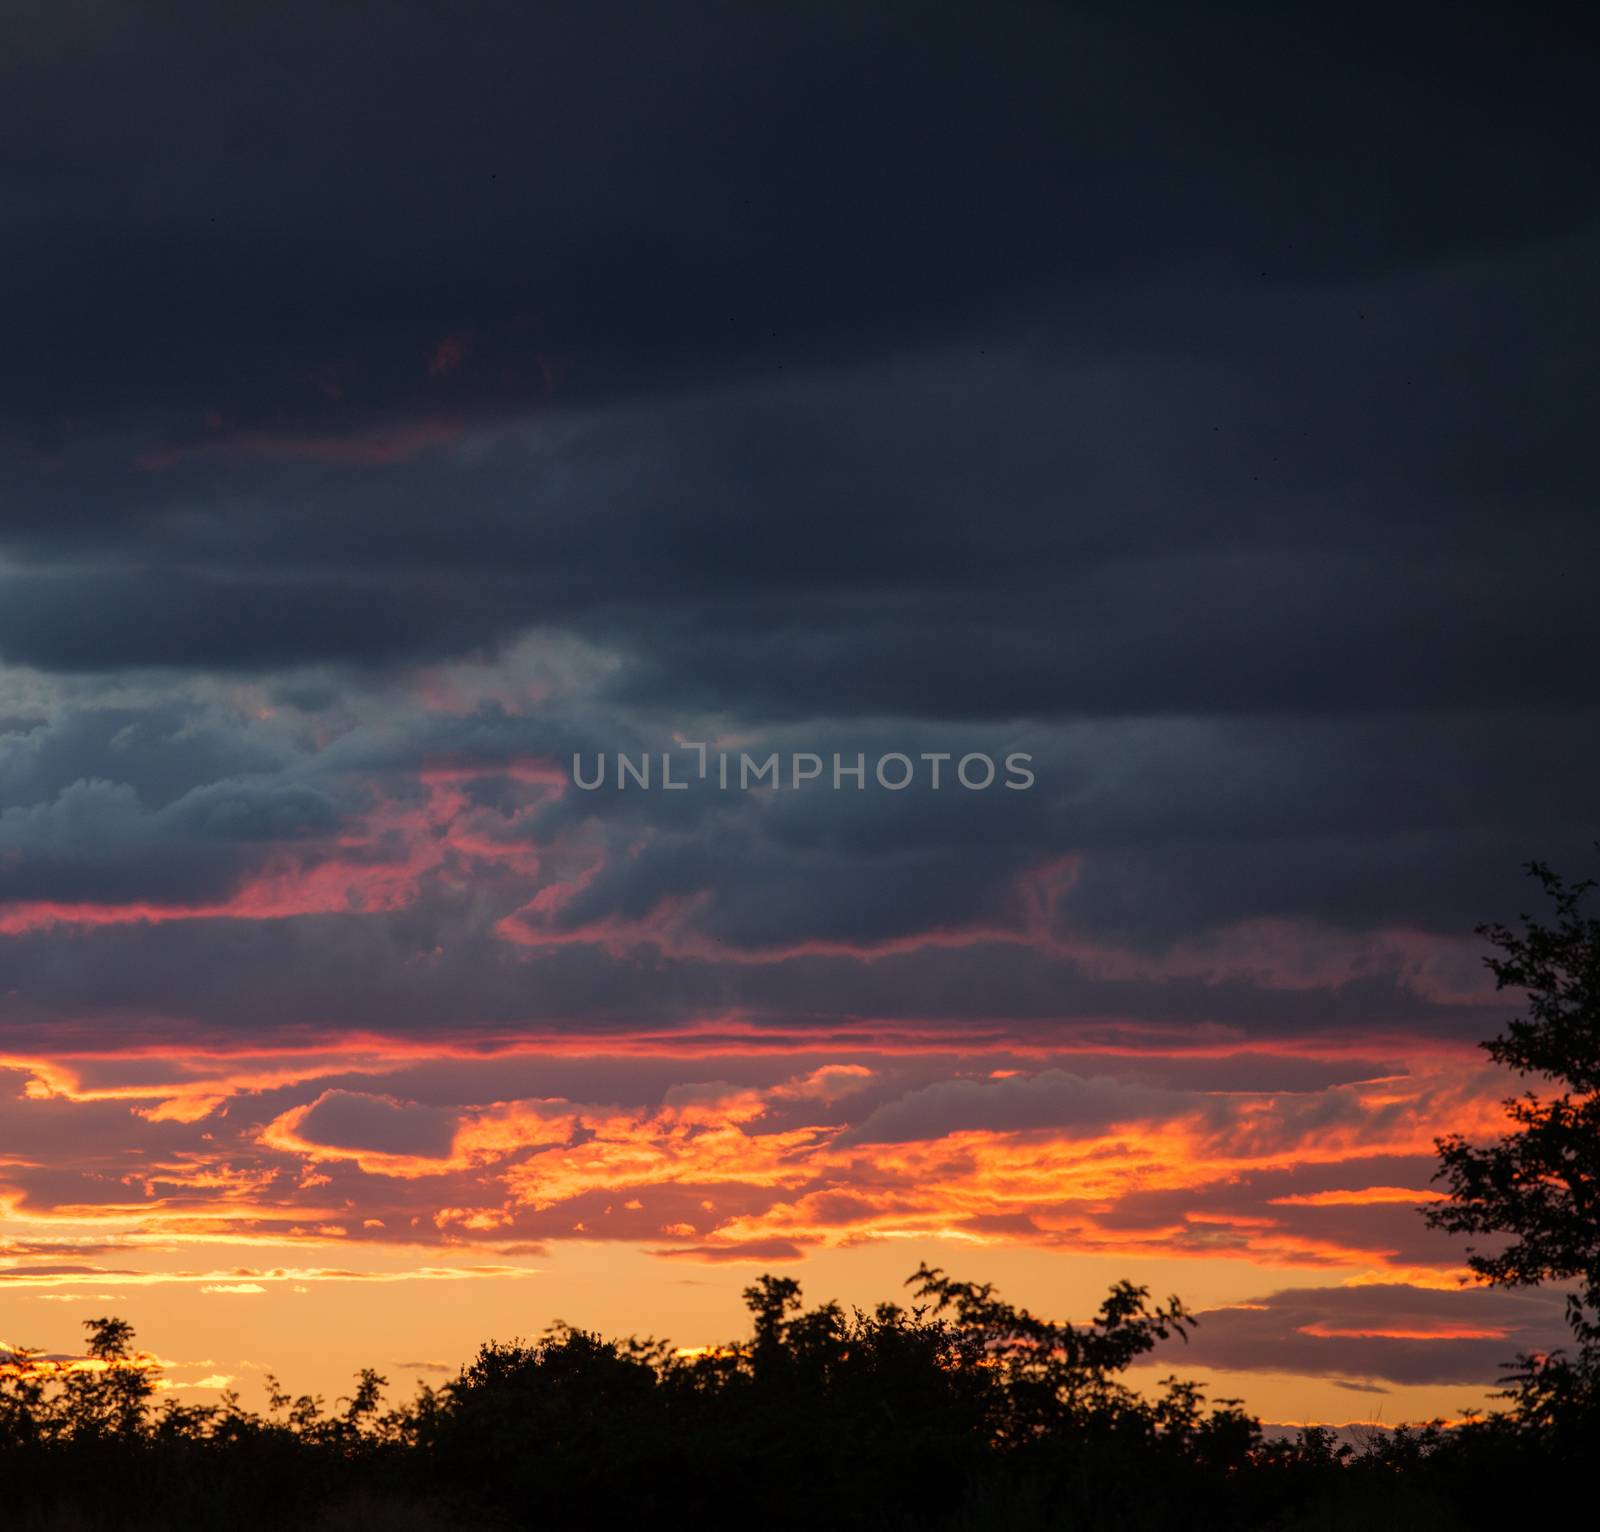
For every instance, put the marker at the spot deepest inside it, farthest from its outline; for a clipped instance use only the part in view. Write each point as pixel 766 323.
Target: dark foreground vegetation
pixel 952 1410
pixel 957 1411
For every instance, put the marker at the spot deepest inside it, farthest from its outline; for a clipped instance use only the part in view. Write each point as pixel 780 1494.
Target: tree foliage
pixel 1536 1191
pixel 959 1410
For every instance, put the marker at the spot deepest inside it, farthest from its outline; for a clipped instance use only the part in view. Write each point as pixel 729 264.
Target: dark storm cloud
pixel 1183 824
pixel 432 969
pixel 97 843
pixel 1026 536
pixel 1177 830
pixel 169 803
pixel 1261 362
pixel 659 194
pixel 161 749
pixel 95 621
pixel 1196 402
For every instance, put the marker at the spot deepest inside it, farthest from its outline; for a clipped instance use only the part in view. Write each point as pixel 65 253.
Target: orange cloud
pixel 732 1153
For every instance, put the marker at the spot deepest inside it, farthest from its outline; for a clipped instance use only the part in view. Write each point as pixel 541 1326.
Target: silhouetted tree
pixel 1539 1186
pixel 958 1413
pixel 1055 1367
pixel 111 1396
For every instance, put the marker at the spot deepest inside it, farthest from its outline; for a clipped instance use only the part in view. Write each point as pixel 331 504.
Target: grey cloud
pixel 96 842
pixel 1246 486
pixel 1276 1333
pixel 356 1120
pixel 1050 1099
pixel 433 967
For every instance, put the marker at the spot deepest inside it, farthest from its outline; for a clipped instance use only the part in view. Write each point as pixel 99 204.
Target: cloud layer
pixel 1193 405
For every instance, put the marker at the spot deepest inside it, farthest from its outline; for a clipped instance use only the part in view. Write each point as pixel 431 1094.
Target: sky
pixel 402 403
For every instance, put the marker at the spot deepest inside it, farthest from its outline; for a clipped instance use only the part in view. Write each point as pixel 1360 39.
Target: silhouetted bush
pixel 959 1411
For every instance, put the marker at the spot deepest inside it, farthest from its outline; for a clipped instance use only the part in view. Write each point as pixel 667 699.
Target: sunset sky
pixel 399 400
